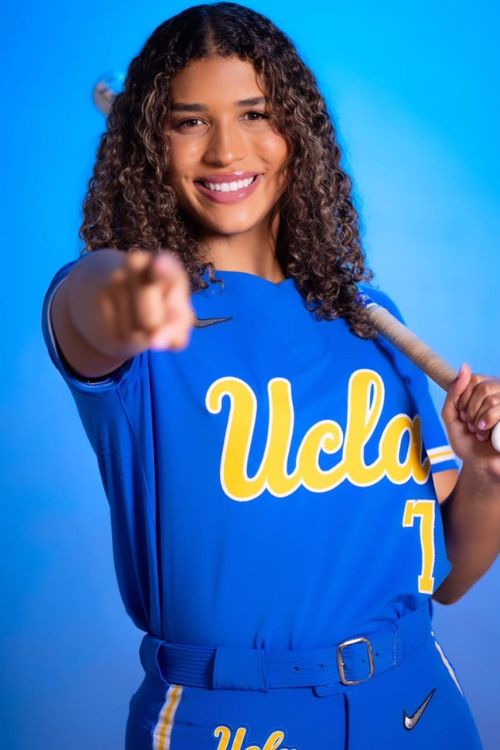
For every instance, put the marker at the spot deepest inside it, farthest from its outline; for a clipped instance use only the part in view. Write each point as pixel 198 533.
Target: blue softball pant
pixel 417 704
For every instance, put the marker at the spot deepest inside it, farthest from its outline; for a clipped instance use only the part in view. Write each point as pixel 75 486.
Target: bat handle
pixel 420 353
pixel 495 437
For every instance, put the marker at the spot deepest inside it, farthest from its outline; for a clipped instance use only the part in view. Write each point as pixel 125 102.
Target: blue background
pixel 414 92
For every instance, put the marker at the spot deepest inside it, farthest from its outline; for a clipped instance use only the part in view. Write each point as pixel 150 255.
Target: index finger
pixel 162 267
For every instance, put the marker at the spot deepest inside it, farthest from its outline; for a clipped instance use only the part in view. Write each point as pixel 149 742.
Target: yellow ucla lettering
pixel 365 401
pixel 366 395
pixel 279 437
pixel 411 466
pixel 225 737
pixel 324 436
pixel 273 742
pixel 272 472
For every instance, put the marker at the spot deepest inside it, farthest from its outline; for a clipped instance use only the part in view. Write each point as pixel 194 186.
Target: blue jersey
pixel 271 485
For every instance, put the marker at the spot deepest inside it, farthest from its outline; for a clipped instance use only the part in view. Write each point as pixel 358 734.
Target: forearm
pixel 471 520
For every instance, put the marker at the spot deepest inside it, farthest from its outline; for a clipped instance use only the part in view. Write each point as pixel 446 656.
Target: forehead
pixel 223 79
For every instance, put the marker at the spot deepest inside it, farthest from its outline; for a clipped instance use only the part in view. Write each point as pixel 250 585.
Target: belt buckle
pixel 341 664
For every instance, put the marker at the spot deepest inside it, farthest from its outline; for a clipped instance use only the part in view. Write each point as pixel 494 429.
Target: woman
pixel 267 461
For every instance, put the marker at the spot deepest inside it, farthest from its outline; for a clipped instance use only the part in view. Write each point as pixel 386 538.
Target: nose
pixel 226 145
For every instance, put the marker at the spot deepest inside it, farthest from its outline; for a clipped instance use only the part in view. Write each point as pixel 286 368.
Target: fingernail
pixel 463 416
pixel 471 427
pixel 481 425
pixel 159 342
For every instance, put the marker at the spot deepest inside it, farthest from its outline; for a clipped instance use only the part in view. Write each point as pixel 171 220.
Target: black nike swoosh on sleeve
pixel 203 322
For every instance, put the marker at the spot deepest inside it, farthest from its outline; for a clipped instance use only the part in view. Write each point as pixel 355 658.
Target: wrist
pixel 478 476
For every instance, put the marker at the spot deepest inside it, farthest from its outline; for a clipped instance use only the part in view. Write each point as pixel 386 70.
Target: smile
pixel 228 192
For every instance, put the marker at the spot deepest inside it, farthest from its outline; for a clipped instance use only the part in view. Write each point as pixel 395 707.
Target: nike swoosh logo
pixel 410 722
pixel 202 322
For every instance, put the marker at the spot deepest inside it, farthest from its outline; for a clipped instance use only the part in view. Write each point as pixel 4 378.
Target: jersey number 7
pixel 425 510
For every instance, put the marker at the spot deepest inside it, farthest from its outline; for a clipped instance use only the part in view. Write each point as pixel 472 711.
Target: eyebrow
pixel 197 107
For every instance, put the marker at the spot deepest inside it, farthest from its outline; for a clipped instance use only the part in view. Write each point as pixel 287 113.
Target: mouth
pixel 228 192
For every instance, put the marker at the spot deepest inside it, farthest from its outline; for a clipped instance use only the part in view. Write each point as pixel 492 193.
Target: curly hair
pixel 129 203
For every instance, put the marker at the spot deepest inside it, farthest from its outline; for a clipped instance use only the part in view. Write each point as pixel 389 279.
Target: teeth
pixel 228 187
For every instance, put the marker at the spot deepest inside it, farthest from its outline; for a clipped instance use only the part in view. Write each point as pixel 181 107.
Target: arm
pixel 471 521
pixel 470 506
pixel 471 511
pixel 114 305
pixel 444 483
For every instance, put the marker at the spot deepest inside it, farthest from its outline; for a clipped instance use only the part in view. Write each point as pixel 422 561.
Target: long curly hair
pixel 129 203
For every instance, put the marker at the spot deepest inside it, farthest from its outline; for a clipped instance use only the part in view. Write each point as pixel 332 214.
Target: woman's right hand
pixel 116 304
pixel 145 303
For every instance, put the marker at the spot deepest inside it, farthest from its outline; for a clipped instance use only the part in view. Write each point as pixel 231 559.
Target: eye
pixel 191 122
pixel 259 115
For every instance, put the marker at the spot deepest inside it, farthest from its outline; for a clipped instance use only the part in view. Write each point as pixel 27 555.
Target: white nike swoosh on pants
pixel 411 721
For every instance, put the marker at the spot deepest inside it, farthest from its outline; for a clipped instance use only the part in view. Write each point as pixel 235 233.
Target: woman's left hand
pixel 471 410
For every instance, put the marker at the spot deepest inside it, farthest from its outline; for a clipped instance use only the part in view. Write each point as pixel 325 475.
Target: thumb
pixel 455 390
pixel 462 380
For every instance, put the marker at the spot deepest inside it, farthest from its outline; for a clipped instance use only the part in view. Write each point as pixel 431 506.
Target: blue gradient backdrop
pixel 414 92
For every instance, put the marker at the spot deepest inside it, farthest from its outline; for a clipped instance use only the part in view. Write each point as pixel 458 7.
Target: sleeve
pixel 116 412
pixel 434 435
pixel 77 383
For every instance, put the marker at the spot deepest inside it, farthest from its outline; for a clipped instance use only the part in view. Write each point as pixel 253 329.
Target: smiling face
pixel 226 155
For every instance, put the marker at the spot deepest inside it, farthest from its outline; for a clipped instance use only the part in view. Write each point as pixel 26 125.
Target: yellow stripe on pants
pixel 163 729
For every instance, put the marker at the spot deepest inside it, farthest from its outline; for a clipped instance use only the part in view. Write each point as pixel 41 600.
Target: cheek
pixel 279 146
pixel 183 156
pixel 275 150
pixel 278 151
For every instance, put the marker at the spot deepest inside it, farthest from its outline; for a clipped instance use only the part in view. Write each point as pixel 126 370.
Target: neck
pixel 251 252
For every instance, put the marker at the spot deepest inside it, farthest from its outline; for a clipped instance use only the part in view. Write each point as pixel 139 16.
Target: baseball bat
pixel 415 349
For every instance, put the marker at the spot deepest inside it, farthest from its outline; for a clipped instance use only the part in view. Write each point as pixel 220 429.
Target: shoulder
pixel 380 298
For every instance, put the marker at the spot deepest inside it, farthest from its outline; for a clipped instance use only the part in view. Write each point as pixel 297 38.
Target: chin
pixel 227 226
